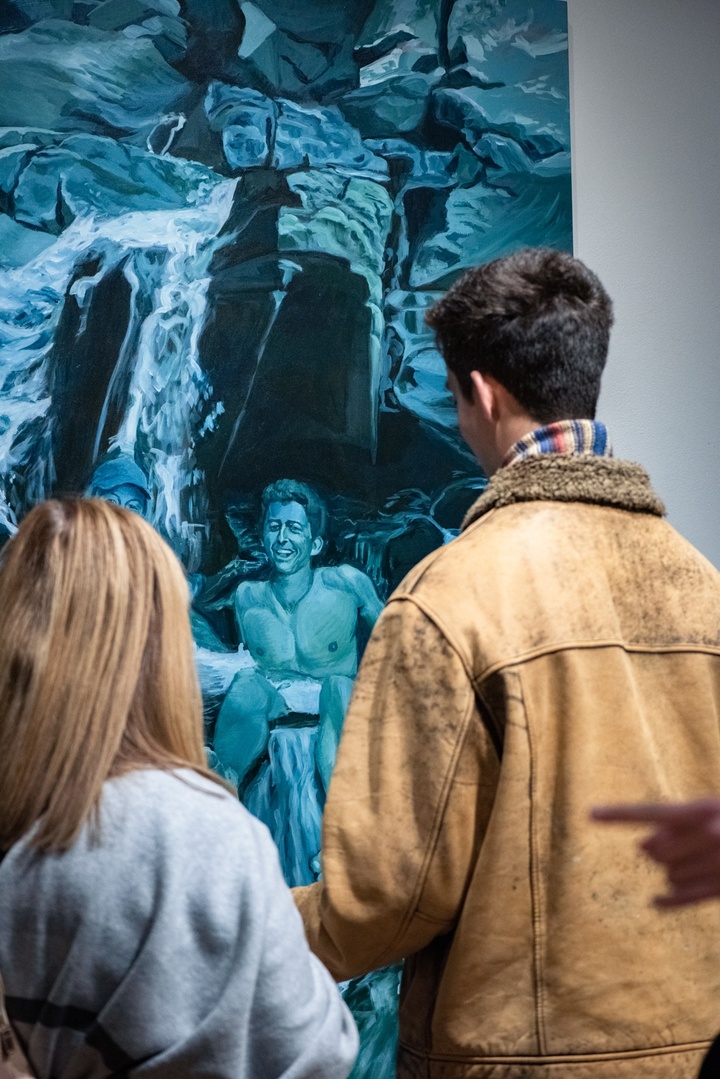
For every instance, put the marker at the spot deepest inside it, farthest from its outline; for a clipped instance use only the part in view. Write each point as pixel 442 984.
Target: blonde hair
pixel 97 676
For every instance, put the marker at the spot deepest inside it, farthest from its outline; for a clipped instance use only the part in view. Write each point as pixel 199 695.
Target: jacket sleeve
pixel 408 804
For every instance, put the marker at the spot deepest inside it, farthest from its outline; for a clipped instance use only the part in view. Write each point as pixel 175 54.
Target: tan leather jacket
pixel 563 651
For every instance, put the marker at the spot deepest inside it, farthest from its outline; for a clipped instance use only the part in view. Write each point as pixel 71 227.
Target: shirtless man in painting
pixel 301 628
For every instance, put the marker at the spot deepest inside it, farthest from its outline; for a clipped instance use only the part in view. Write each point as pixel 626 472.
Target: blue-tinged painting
pixel 221 224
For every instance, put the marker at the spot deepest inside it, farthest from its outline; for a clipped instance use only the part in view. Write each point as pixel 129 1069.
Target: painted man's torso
pixel 315 637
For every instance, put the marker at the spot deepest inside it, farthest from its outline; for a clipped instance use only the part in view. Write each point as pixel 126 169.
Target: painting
pixel 221 224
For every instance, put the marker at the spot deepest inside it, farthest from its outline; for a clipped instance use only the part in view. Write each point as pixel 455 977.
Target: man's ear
pixel 317 545
pixel 484 394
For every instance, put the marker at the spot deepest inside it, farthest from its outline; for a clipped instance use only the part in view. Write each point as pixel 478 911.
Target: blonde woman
pixel 144 923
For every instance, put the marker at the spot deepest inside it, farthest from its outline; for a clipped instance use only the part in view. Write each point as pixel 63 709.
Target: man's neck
pixel 290 588
pixel 509 430
pixel 513 429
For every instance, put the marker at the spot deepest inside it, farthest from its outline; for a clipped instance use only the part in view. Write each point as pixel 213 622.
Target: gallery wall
pixel 645 93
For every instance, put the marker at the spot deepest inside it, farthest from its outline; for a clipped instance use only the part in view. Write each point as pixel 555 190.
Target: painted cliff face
pixel 221 224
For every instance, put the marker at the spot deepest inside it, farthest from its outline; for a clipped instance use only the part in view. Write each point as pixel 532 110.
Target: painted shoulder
pixel 345 577
pixel 250 594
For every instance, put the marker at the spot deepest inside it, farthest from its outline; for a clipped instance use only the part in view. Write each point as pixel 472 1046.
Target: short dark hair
pixel 285 491
pixel 537 321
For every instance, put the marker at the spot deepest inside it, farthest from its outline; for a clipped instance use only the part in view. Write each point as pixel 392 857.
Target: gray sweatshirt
pixel 169 947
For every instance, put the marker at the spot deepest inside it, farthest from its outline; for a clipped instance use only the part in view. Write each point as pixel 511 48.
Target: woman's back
pixel 168 944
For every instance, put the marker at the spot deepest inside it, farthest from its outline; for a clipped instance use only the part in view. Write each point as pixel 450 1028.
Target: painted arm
pixel 369 603
pixel 686 842
pixel 241 601
pixel 408 804
pixel 216 592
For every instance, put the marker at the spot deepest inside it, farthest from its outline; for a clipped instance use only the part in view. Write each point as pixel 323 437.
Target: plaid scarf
pixel 586 437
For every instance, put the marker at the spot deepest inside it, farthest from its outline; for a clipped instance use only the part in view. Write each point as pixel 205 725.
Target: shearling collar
pixel 555 477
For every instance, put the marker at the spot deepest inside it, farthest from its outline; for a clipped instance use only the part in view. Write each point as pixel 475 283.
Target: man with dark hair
pixel 538 323
pixel 564 650
pixel 300 627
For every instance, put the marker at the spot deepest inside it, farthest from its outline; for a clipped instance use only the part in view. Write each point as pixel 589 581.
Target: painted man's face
pixel 129 496
pixel 287 537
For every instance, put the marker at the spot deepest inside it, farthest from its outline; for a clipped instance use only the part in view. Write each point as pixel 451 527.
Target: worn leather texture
pixel 562 652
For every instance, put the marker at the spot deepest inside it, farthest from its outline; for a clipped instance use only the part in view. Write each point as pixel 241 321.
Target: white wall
pixel 645 99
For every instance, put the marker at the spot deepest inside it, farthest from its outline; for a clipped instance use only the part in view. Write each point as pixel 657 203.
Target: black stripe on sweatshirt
pixel 46 1014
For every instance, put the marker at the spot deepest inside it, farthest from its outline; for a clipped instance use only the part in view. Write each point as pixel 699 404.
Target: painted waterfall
pixel 221 222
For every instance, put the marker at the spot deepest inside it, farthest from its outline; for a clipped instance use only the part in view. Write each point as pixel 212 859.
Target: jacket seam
pixel 544 649
pixel 440 625
pixel 570 645
pixel 536 891
pixel 557 1058
pixel 413 904
pixel 442 923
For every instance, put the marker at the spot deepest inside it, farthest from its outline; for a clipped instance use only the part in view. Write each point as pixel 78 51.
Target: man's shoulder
pixel 445 563
pixel 506 548
pixel 534 574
